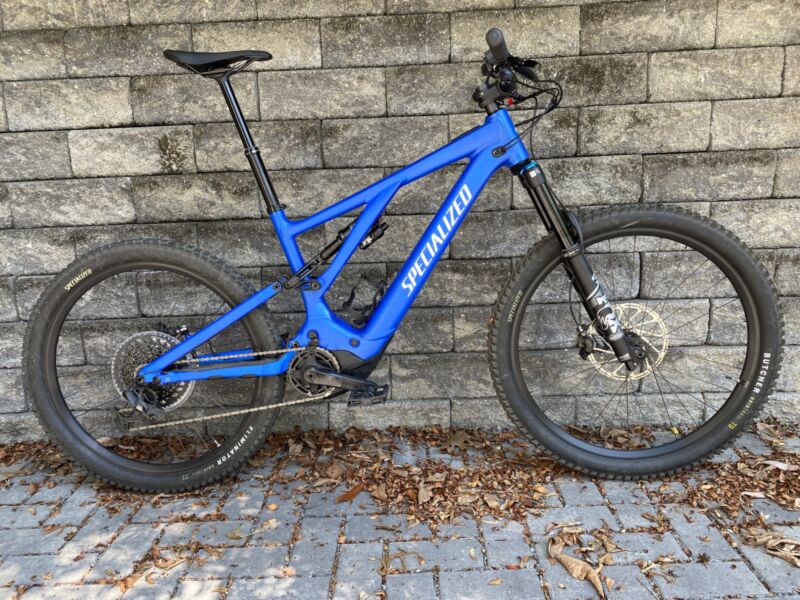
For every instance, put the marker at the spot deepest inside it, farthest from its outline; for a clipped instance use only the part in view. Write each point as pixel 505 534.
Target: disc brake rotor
pixel 647 328
pixel 139 350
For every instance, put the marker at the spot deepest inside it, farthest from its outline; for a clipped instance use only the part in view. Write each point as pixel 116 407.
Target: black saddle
pixel 206 63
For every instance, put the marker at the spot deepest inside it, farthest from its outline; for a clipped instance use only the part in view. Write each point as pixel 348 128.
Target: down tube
pixel 428 250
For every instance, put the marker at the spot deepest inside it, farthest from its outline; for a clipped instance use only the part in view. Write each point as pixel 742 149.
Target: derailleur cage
pixel 144 400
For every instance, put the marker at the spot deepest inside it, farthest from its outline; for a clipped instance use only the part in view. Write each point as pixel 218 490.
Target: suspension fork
pixel 566 227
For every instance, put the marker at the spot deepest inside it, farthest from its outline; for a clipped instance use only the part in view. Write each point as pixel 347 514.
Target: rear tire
pixel 757 297
pixel 41 372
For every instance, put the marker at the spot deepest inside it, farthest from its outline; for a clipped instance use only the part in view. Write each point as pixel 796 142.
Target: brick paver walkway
pixel 249 539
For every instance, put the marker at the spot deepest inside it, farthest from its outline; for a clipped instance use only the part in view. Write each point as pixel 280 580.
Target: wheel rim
pixel 176 449
pixel 656 437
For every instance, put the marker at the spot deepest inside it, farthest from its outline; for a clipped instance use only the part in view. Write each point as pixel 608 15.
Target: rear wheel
pixel 699 309
pixel 111 312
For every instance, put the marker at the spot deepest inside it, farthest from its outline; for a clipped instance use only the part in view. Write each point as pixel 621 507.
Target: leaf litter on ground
pixel 496 474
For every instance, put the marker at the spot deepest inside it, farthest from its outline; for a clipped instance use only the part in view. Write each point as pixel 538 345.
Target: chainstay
pixel 242 355
pixel 188 361
pixel 243 411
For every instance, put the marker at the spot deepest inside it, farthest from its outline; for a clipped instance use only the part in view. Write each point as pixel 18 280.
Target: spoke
pixel 96 407
pixel 697 378
pixel 556 345
pixel 717 362
pixel 697 341
pixel 711 307
pixel 614 395
pixel 630 282
pixel 590 377
pixel 588 385
pixel 652 276
pixel 684 280
pixel 687 323
pixel 579 371
pixel 639 404
pixel 613 293
pixel 664 402
pixel 627 402
pixel 698 297
pixel 687 392
pixel 678 398
pixel 583 393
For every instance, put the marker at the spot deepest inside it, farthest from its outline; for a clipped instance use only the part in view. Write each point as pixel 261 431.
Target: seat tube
pixel 250 148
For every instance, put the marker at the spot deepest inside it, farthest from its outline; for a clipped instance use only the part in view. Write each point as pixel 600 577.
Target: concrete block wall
pixel 680 101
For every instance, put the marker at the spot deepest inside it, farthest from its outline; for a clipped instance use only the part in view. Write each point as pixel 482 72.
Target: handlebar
pixel 497 45
pixel 502 86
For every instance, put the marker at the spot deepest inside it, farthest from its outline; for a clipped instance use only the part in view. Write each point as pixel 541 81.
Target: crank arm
pixel 322 376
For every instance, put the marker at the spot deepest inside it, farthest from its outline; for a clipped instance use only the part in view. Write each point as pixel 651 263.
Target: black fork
pixel 567 229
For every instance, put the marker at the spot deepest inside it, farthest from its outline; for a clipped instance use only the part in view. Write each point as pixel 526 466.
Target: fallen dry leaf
pixel 780 465
pixel 424 493
pixel 751 494
pixel 379 492
pixel 351 494
pixel 491 500
pixel 288 572
pixel 581 570
pixel 777 545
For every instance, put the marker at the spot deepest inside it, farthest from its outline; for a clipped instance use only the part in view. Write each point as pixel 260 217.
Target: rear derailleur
pixel 143 399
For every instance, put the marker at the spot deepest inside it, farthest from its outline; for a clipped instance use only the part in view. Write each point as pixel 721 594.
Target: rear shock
pixel 566 227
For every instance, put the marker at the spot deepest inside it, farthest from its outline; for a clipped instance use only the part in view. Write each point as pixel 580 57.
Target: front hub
pixel 647 336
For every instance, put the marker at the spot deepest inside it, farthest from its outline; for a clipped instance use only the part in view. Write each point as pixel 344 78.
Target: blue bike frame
pixel 488 148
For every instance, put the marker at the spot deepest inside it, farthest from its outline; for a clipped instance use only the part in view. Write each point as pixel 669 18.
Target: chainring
pixel 139 350
pixel 303 360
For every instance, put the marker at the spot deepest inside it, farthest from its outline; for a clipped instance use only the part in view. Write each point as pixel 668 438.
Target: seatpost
pixel 250 149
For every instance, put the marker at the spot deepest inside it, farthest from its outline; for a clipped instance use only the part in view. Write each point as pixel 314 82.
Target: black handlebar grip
pixel 497 44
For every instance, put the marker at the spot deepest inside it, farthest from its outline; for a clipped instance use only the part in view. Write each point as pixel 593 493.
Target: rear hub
pixel 134 353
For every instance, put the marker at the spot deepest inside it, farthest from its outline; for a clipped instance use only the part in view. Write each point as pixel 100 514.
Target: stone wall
pixel 694 102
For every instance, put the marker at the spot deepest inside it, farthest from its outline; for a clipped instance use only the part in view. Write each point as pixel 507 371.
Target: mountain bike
pixel 632 342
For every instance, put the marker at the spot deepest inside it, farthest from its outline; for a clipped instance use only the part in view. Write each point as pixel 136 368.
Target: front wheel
pixel 700 309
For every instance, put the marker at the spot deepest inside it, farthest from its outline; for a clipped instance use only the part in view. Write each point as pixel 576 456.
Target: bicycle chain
pixel 243 411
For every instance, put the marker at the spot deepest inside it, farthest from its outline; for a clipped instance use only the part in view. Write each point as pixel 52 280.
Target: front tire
pixel 569 425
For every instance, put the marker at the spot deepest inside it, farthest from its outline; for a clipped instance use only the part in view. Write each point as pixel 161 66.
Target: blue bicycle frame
pixel 487 148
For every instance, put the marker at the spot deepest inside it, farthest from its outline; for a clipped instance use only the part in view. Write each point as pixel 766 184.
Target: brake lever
pixel 525 66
